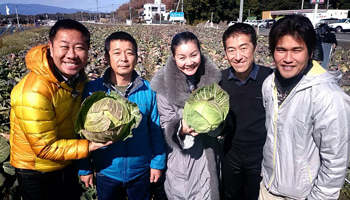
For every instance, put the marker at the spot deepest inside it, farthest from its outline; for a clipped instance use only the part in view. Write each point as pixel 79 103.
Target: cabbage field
pixel 153 49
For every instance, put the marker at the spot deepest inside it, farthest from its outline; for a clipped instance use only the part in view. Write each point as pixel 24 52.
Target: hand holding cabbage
pixel 206 108
pixel 103 117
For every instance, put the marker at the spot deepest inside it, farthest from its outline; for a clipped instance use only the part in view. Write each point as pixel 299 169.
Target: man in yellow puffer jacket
pixel 43 109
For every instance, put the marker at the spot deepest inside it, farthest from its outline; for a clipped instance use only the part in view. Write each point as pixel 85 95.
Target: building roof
pixel 291 12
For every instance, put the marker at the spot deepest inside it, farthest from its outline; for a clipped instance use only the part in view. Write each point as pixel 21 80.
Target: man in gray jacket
pixel 306 152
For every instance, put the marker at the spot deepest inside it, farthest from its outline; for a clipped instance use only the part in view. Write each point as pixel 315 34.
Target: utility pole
pixel 130 11
pixel 327 4
pixel 99 15
pixel 160 11
pixel 17 17
pixel 177 6
pixel 90 10
pixel 241 11
pixel 302 4
pixel 182 6
pixel 113 13
pixel 315 13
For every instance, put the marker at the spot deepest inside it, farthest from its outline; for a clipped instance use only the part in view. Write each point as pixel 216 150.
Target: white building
pixel 151 9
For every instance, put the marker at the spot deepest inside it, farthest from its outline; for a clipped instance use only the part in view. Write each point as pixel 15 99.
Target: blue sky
pixel 104 5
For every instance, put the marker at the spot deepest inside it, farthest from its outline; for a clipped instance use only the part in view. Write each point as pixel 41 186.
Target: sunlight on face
pixel 187 57
pixel 291 56
pixel 122 57
pixel 240 53
pixel 69 51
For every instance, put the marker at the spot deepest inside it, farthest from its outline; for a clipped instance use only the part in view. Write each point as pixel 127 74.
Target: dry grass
pixel 20 40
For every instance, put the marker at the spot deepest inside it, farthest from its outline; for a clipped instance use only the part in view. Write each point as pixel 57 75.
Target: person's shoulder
pixel 226 72
pixel 330 93
pixel 93 84
pixel 145 81
pixel 265 71
pixel 39 83
pixel 326 84
pixel 158 81
pixel 142 85
pixel 32 84
pixel 268 80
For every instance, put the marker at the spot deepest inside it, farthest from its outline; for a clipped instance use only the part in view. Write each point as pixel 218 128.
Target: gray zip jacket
pixel 306 153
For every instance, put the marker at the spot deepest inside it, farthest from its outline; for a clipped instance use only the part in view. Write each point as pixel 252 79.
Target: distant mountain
pixel 35 9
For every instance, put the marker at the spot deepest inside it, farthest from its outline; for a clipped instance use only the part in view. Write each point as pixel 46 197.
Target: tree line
pixel 228 10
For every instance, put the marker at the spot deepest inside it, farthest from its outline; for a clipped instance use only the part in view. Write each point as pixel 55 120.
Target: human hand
pixel 87 179
pixel 94 146
pixel 186 130
pixel 155 175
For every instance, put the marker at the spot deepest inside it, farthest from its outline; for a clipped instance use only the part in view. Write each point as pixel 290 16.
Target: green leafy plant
pixel 206 108
pixel 4 154
pixel 107 117
pixel 8 183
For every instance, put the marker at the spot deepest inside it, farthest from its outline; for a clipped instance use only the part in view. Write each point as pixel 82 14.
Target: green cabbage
pixel 206 108
pixel 103 117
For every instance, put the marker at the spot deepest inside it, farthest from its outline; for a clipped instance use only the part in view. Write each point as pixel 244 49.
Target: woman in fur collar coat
pixel 193 165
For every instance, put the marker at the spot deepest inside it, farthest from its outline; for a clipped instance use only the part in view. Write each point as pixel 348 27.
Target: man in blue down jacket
pixel 306 152
pixel 126 168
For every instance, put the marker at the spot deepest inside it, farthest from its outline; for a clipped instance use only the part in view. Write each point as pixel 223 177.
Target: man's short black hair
pixel 240 28
pixel 297 26
pixel 69 24
pixel 120 35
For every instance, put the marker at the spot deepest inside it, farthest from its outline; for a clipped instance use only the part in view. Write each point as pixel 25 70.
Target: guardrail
pixel 12 29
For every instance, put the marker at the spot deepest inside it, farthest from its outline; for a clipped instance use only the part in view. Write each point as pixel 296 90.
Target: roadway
pixel 342 38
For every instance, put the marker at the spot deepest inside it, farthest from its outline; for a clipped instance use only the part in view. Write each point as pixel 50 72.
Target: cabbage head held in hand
pixel 206 108
pixel 107 117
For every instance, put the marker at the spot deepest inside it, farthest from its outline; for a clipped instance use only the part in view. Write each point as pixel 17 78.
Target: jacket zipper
pixel 275 136
pixel 308 170
pixel 276 108
pixel 126 163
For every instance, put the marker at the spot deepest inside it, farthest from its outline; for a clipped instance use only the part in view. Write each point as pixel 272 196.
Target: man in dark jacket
pixel 328 43
pixel 326 35
pixel 246 134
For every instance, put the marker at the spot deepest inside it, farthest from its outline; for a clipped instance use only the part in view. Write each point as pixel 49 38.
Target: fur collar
pixel 171 82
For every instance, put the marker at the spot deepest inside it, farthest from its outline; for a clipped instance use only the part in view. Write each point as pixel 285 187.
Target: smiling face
pixel 69 51
pixel 187 57
pixel 240 53
pixel 122 58
pixel 291 56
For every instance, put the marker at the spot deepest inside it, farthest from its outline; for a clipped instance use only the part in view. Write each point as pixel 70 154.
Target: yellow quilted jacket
pixel 43 111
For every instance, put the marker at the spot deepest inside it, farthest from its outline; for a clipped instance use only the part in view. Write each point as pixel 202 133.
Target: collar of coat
pixel 316 75
pixel 170 82
pixel 37 61
pixel 136 82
